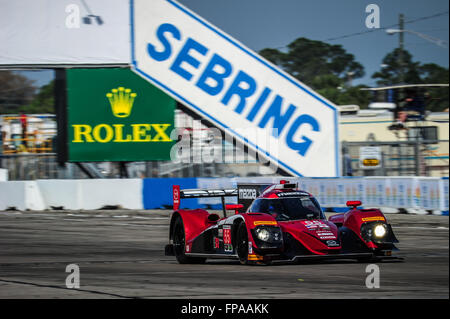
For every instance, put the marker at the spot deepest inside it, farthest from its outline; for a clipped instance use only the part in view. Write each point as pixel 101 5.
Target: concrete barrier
pixel 21 195
pixel 71 194
pixel 416 195
pixel 61 193
pixel 3 174
pixel 124 193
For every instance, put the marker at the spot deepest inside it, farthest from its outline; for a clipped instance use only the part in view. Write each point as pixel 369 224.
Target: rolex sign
pixel 115 115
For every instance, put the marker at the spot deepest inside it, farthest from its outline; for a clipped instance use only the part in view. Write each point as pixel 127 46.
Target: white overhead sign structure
pixel 234 88
pixel 64 32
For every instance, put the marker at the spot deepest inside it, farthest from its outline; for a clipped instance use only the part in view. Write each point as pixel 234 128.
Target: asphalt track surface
pixel 120 254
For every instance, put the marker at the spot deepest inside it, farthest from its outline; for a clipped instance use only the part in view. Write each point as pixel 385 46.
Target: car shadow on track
pixel 304 262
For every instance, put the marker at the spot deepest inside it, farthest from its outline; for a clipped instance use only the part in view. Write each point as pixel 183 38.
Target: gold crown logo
pixel 121 100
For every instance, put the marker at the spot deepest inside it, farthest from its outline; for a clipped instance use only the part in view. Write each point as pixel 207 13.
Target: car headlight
pixel 379 231
pixel 374 231
pixel 263 234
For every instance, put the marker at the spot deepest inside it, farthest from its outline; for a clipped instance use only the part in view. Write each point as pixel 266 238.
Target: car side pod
pixel 338 219
pixel 370 227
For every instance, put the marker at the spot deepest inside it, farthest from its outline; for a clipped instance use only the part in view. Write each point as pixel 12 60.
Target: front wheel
pixel 179 243
pixel 242 244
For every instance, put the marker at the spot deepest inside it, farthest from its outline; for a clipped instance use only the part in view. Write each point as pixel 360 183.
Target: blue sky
pixel 260 24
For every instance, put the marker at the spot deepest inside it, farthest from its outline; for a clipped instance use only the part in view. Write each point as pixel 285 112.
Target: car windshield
pixel 292 208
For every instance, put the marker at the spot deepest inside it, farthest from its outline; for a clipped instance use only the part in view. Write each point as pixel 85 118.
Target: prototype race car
pixel 275 222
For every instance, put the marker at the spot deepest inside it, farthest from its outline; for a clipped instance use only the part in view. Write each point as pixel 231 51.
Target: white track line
pixel 420 227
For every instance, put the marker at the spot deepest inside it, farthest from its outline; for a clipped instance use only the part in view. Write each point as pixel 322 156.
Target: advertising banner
pixel 429 193
pixel 402 191
pixel 378 192
pixel 444 194
pixel 115 115
pixel 234 88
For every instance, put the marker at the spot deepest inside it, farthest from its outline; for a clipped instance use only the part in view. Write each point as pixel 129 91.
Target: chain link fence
pixel 402 158
pixel 45 166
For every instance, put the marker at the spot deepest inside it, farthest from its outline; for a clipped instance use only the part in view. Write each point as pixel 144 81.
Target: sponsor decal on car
pixel 374 218
pixel 288 194
pixel 247 193
pixel 216 242
pixel 226 235
pixel 313 224
pixel 332 243
pixel 325 235
pixel 264 222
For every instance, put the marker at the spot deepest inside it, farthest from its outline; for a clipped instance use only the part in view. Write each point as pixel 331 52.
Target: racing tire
pixel 242 243
pixel 179 242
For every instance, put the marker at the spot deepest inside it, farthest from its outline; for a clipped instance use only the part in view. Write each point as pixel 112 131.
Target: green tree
pixel 324 67
pixel 306 59
pixel 434 74
pixel 354 95
pixel 43 101
pixel 329 86
pixel 335 89
pixel 16 91
pixel 413 72
pixel 392 73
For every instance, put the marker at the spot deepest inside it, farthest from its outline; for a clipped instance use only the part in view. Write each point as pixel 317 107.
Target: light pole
pixel 434 40
pixel 439 42
pixel 401 30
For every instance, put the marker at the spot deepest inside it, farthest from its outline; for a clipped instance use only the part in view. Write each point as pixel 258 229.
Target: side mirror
pixel 353 203
pixel 234 207
pixel 212 218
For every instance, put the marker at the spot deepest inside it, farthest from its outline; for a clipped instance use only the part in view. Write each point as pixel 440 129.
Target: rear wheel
pixel 179 245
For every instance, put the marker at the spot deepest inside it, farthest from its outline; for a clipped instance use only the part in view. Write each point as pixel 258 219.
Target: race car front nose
pixel 267 236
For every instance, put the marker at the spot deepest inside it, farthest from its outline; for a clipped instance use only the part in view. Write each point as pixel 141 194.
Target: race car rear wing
pixel 246 193
pixel 178 194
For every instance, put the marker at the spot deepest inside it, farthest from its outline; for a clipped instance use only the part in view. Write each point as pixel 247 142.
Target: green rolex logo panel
pixel 115 115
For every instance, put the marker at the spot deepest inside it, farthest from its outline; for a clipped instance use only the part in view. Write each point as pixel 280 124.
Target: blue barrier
pixel 157 192
pixel 418 193
pixel 445 187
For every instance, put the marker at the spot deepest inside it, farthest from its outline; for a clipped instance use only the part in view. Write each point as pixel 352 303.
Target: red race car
pixel 275 223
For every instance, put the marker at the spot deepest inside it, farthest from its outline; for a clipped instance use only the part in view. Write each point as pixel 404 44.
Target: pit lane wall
pixel 417 195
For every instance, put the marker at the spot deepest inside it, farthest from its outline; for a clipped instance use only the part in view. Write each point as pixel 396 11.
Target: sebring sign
pixel 223 81
pixel 114 115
